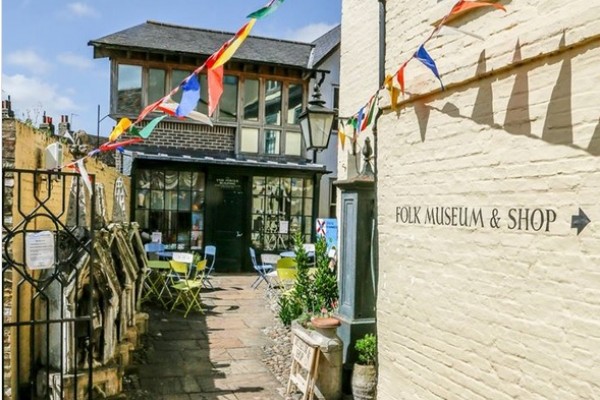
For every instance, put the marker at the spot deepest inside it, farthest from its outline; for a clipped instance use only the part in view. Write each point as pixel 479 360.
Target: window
pixel 251 99
pixel 294 104
pixel 332 198
pixel 156 84
pixel 281 207
pixel 272 141
pixel 129 88
pixel 228 103
pixel 336 107
pixel 273 103
pixel 171 202
pixel 293 144
pixel 249 140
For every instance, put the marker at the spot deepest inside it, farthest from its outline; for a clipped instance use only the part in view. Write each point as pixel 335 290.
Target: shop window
pixel 156 84
pixel 251 99
pixel 228 103
pixel 272 141
pixel 172 203
pixel 129 88
pixel 281 208
pixel 294 104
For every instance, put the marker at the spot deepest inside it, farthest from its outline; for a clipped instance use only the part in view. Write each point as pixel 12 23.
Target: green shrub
pixel 289 309
pixel 367 349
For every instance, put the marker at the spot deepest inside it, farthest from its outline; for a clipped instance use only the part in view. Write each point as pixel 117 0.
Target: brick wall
pixel 176 135
pixel 484 311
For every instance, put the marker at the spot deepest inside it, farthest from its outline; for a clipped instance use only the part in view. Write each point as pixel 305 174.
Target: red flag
pixel 463 5
pixel 149 109
pixel 400 77
pixel 215 88
pixel 113 146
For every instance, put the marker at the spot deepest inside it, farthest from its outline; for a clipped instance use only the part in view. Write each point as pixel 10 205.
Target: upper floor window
pixel 273 103
pixel 251 99
pixel 129 88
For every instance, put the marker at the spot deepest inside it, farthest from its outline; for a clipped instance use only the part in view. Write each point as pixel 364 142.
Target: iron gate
pixel 47 278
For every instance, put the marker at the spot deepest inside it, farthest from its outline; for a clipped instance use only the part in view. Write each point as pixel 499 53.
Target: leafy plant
pixel 289 308
pixel 367 349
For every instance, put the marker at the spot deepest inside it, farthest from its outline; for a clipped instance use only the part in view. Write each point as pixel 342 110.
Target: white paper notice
pixel 39 250
pixel 284 226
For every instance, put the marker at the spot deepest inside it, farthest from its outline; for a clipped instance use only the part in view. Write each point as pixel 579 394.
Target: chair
pixel 209 252
pixel 287 273
pixel 188 289
pixel 262 270
pixel 179 268
pixel 154 280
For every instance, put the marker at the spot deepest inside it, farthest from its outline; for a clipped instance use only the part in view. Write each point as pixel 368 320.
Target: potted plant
pixel 364 373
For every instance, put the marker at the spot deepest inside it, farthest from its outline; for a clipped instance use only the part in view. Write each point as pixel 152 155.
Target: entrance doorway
pixel 227 215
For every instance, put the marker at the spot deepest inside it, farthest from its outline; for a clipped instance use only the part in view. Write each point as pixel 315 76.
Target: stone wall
pixel 495 296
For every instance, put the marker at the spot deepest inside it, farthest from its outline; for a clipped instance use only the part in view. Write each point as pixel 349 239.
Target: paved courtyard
pixel 212 356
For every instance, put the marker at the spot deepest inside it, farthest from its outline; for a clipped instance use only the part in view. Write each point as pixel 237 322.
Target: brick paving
pixel 212 356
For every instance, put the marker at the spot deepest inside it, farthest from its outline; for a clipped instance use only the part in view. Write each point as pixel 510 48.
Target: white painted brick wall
pixel 485 313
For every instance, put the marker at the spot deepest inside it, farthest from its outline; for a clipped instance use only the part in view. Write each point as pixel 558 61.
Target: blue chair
pixel 262 270
pixel 210 254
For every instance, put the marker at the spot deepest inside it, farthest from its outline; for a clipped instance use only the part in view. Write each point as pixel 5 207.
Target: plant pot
pixel 364 382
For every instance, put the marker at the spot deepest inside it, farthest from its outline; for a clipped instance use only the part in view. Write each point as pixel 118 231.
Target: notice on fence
pixel 39 250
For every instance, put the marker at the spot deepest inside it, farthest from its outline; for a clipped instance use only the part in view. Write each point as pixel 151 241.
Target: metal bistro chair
pixel 210 254
pixel 157 269
pixel 262 270
pixel 287 273
pixel 179 270
pixel 188 289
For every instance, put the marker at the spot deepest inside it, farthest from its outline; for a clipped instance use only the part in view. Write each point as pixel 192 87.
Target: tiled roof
pixel 167 38
pixel 325 44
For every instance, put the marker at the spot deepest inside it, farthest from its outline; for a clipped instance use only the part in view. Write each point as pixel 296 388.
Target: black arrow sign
pixel 579 221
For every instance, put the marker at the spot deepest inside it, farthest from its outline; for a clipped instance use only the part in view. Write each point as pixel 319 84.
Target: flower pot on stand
pixel 364 382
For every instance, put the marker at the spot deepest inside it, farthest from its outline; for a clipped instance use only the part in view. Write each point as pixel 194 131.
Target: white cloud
pixel 75 60
pixel 29 60
pixel 82 10
pixel 310 32
pixel 31 96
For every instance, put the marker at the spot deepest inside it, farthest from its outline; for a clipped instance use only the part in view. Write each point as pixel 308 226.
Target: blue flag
pixel 189 97
pixel 423 56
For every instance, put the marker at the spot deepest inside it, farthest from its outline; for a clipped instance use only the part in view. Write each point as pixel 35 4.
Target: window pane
pixel 293 144
pixel 228 103
pixel 249 140
pixel 273 103
pixel 177 76
pixel 156 84
pixel 203 103
pixel 272 141
pixel 129 87
pixel 251 99
pixel 294 104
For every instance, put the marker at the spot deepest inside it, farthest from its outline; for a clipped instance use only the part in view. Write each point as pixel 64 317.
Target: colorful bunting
pixel 169 107
pixel 121 127
pixel 230 47
pixel 463 5
pixel 215 88
pixel 189 97
pixel 426 59
pixel 342 133
pixel 145 133
pixel 113 146
pixel 149 109
pixel 393 90
pixel 266 10
pixel 85 177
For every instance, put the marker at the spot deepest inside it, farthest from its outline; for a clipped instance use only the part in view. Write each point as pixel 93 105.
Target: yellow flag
pixel 227 52
pixel 341 134
pixel 121 127
pixel 394 92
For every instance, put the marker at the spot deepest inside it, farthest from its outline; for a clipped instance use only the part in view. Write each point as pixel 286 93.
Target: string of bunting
pixel 395 84
pixel 190 87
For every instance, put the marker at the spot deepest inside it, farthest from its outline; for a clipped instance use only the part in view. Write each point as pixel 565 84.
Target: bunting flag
pixel 230 47
pixel 121 127
pixel 215 88
pixel 463 5
pixel 359 119
pixel 400 77
pixel 145 133
pixel 85 177
pixel 342 133
pixel 266 10
pixel 115 145
pixel 393 90
pixel 189 97
pixel 426 59
pixel 371 112
pixel 169 107
pixel 149 108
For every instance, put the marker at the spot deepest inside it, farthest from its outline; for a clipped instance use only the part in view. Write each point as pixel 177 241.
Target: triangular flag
pixel 426 59
pixel 393 90
pixel 359 119
pixel 371 113
pixel 149 109
pixel 341 133
pixel 215 88
pixel 266 10
pixel 121 127
pixel 116 145
pixel 169 107
pixel 145 133
pixel 400 78
pixel 463 5
pixel 189 97
pixel 229 48
pixel 85 177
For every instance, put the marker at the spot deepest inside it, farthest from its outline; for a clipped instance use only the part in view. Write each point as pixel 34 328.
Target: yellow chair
pixel 188 289
pixel 286 273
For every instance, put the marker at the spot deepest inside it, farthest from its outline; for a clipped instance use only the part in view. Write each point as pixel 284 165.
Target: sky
pixel 48 66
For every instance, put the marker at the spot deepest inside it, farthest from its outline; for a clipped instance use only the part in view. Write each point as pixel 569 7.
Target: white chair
pixel 262 270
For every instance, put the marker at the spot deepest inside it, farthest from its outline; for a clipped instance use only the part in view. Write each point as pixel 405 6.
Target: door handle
pixel 238 234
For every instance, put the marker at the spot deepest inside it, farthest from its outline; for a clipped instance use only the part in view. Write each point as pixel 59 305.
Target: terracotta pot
pixel 364 382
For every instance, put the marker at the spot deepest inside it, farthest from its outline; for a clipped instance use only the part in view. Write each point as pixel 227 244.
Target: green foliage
pixel 367 349
pixel 314 293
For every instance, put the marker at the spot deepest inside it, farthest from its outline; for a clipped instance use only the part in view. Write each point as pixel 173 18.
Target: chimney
pixel 7 111
pixel 46 124
pixel 64 125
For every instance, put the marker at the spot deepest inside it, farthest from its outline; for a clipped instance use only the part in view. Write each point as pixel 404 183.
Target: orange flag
pixel 215 88
pixel 394 92
pixel 226 51
pixel 121 127
pixel 463 5
pixel 400 77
